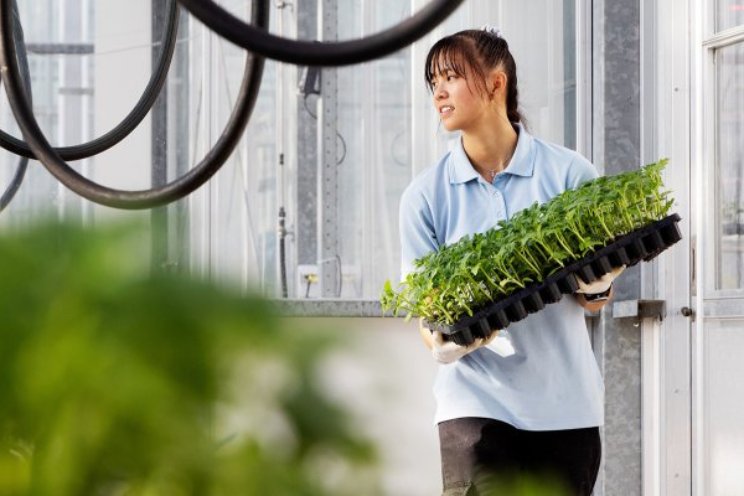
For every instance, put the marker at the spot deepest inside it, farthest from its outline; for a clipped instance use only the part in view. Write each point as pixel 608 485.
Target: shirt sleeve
pixel 579 172
pixel 417 232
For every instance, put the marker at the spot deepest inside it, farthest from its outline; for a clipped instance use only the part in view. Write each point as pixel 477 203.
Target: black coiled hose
pixel 104 195
pixel 321 54
pixel 253 37
pixel 20 173
pixel 135 116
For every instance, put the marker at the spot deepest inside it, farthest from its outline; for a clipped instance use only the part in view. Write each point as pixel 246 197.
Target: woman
pixel 534 407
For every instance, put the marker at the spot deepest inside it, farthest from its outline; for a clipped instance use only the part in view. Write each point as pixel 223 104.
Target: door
pixel 718 330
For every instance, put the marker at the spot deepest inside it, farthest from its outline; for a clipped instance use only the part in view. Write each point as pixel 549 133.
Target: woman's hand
pixel 449 351
pixel 595 295
pixel 601 285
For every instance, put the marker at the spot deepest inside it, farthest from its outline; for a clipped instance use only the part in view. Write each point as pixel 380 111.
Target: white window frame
pixel 667 121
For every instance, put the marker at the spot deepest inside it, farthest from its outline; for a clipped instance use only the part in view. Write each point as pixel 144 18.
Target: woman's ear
pixel 497 83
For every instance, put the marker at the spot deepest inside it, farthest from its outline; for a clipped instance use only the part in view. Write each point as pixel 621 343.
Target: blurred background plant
pixel 522 484
pixel 116 380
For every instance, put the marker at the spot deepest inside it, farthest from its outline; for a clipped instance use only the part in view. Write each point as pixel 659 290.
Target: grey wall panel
pixel 622 85
pixel 620 356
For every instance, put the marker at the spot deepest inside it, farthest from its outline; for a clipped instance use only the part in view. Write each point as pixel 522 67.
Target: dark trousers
pixel 484 457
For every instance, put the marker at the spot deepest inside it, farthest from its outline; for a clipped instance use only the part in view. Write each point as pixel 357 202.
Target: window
pixel 59 44
pixel 725 142
pixel 730 14
pixel 334 158
pixel 730 164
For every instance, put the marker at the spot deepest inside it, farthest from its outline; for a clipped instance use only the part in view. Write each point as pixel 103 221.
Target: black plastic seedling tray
pixel 644 244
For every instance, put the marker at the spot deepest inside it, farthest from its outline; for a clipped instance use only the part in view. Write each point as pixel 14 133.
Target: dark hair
pixel 455 52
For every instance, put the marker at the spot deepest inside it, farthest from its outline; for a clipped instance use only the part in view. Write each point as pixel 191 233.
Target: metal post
pixel 159 146
pixel 621 150
pixel 179 109
pixel 329 262
pixel 306 199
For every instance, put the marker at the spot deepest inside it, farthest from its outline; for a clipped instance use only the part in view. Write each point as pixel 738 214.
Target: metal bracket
pixel 639 309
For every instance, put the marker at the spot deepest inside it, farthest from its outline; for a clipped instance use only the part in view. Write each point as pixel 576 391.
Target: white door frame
pixel 667 92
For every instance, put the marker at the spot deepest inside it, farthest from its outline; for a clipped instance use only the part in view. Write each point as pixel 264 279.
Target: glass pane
pixel 730 14
pixel 374 164
pixel 59 39
pixel 730 167
pixel 232 220
pixel 723 400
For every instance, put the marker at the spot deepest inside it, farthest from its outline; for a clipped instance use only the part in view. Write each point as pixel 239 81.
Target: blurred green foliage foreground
pixel 118 381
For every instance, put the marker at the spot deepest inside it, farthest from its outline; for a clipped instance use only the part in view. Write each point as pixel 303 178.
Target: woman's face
pixel 459 107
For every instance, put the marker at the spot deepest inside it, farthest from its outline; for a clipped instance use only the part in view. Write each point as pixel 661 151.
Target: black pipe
pixel 338 53
pixel 283 251
pixel 15 183
pixel 20 173
pixel 104 195
pixel 135 116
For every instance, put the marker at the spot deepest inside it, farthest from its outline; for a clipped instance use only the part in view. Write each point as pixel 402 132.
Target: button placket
pixel 499 204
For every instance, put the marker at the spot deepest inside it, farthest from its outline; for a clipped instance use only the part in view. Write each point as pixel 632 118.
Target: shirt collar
pixel 521 163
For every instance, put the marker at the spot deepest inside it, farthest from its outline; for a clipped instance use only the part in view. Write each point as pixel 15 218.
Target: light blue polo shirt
pixel 552 381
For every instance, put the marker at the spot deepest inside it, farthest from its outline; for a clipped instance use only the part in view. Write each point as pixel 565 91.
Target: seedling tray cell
pixel 653 242
pixel 516 311
pixel 586 273
pixel 670 233
pixel 550 293
pixel 567 283
pixel 497 319
pixel 619 257
pixel 601 266
pixel 637 251
pixel 463 336
pixel 643 244
pixel 533 302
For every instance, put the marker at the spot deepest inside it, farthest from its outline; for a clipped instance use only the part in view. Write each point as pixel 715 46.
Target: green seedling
pixel 458 279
